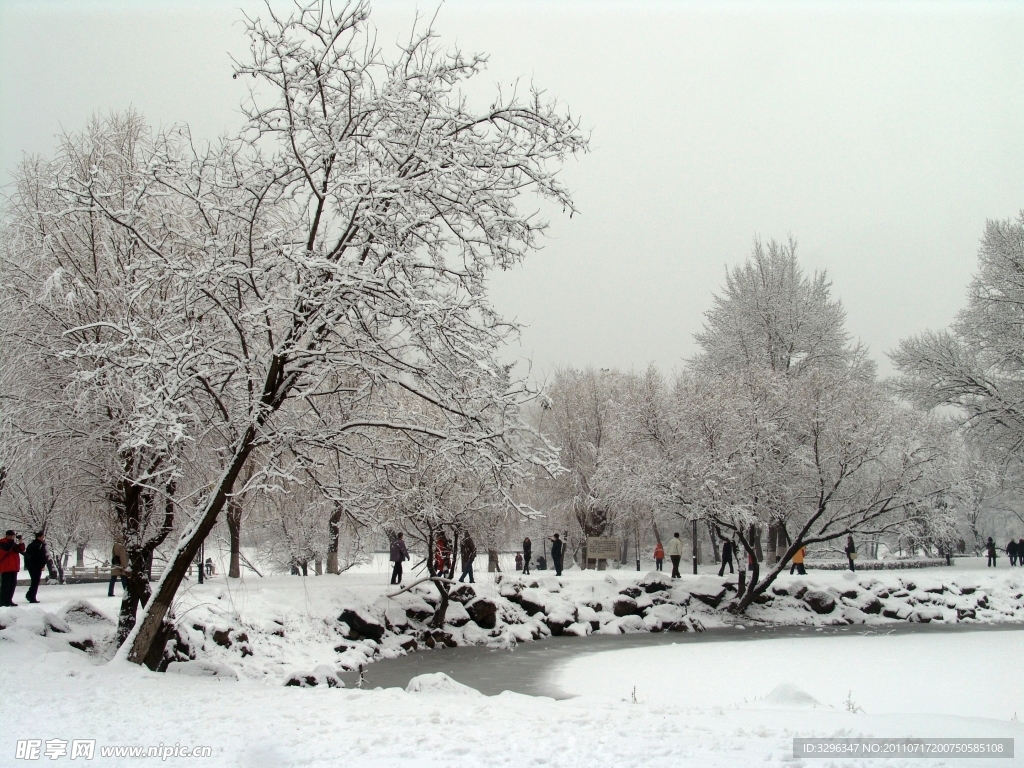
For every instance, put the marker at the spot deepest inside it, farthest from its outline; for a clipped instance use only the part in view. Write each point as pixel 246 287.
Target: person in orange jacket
pixel 798 562
pixel 12 547
pixel 659 556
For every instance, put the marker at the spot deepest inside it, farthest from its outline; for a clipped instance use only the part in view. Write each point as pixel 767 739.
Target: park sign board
pixel 602 548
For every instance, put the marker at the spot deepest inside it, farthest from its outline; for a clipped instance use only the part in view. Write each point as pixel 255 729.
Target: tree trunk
pixel 134 504
pixel 453 548
pixel 318 567
pixel 754 588
pixel 754 534
pixel 773 543
pixel 334 540
pixel 183 555
pixel 442 609
pixel 234 519
pixel 714 543
pixel 80 555
pixel 440 614
pixel 138 592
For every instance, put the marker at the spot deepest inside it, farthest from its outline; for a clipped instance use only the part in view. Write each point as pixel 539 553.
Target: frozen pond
pixel 953 669
pixel 968 674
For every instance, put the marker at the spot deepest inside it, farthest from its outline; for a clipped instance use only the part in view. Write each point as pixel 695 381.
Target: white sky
pixel 880 136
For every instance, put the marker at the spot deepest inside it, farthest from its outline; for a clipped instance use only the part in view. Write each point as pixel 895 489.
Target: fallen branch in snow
pixel 249 565
pixel 425 578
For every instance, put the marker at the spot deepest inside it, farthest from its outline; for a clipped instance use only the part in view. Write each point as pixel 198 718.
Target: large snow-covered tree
pixel 97 332
pixel 338 253
pixel 975 366
pixel 821 456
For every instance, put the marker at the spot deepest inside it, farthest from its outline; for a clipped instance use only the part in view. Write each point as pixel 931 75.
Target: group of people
pixel 525 557
pixel 675 552
pixel 1014 550
pixel 730 550
pixel 12 550
pixel 443 554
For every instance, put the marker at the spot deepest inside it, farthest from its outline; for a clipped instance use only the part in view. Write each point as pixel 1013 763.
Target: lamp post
pixel 693 533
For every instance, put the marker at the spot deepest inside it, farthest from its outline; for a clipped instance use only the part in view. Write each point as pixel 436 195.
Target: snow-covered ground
pixel 701 704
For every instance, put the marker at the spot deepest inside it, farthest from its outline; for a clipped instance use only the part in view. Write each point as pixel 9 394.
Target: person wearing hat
pixel 11 549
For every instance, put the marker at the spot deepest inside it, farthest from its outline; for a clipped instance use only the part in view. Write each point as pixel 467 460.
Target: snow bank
pixel 438 683
pixel 344 633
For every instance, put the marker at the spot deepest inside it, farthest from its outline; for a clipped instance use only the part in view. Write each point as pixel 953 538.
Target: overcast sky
pixel 880 136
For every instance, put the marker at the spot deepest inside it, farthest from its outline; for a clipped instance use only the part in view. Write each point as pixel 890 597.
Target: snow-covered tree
pixel 771 315
pixel 577 418
pixel 339 251
pixel 97 332
pixel 975 366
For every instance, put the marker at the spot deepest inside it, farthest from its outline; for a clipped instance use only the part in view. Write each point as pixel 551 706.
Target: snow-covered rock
pixel 819 601
pixel 483 612
pixel 789 696
pixel 439 684
pixel 84 612
pixel 322 675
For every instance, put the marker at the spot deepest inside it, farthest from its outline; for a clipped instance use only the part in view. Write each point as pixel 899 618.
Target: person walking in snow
pixel 118 568
pixel 527 553
pixel 399 554
pixel 990 547
pixel 727 547
pixel 468 551
pixel 851 552
pixel 1020 551
pixel 675 553
pixel 798 562
pixel 557 554
pixel 11 550
pixel 519 561
pixel 659 556
pixel 36 558
pixel 1011 552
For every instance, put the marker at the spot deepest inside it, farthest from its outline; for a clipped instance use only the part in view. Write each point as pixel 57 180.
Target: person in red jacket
pixel 11 549
pixel 659 556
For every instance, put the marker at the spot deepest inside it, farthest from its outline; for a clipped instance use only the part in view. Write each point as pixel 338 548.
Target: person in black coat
pixel 990 548
pixel 557 551
pixel 1020 551
pixel 527 554
pixel 36 558
pixel 726 556
pixel 851 552
pixel 1011 552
